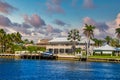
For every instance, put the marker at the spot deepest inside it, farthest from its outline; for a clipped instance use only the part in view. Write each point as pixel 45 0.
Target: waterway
pixel 57 70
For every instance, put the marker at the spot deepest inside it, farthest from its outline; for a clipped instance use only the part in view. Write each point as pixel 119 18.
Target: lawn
pixel 113 57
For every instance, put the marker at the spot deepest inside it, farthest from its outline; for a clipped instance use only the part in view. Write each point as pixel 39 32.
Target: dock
pixel 26 56
pixel 57 57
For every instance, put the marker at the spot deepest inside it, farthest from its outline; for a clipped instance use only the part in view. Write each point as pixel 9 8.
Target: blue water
pixel 57 70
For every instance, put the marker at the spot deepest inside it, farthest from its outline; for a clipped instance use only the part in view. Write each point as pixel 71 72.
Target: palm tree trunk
pixel 73 47
pixel 88 46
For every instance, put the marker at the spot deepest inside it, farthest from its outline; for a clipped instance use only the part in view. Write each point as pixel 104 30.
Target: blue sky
pixel 54 18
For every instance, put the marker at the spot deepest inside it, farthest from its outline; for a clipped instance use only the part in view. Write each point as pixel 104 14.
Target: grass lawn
pixel 113 57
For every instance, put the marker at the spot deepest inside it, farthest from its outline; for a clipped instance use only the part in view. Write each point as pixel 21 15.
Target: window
pixel 61 50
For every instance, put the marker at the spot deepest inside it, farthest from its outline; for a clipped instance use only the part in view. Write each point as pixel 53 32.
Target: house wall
pixel 63 48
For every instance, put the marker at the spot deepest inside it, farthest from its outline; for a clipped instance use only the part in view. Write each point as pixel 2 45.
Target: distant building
pixel 106 49
pixel 62 45
pixel 42 42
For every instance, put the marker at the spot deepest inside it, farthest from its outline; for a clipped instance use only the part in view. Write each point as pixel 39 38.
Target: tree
pixel 114 42
pixel 98 42
pixel 2 39
pixel 88 32
pixel 73 36
pixel 32 48
pixel 117 31
pixel 26 41
pixel 108 39
pixel 31 42
pixel 78 50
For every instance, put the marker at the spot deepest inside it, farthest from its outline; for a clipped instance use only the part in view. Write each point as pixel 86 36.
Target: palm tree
pixel 73 36
pixel 117 31
pixel 2 39
pixel 26 41
pixel 108 39
pixel 114 42
pixel 9 41
pixel 98 42
pixel 88 32
pixel 18 37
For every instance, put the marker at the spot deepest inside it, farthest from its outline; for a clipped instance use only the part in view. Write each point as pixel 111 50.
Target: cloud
pixel 104 29
pixel 117 21
pixel 34 20
pixel 11 27
pixel 54 6
pixel 101 30
pixel 27 29
pixel 65 33
pixel 49 28
pixel 100 25
pixel 59 22
pixel 6 8
pixel 4 21
pixel 88 4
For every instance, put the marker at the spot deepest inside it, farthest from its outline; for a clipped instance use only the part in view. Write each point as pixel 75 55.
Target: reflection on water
pixel 57 70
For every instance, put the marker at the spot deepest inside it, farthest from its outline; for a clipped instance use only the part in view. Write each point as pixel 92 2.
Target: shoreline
pixel 59 57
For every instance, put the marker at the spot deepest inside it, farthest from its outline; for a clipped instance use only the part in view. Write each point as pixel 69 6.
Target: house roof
pixel 61 39
pixel 64 39
pixel 105 47
pixel 43 41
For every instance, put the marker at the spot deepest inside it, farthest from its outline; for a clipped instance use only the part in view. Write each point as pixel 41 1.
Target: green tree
pixel 26 41
pixel 88 32
pixel 98 42
pixel 32 48
pixel 117 31
pixel 108 39
pixel 31 42
pixel 74 36
pixel 114 42
pixel 41 49
pixel 2 39
pixel 78 50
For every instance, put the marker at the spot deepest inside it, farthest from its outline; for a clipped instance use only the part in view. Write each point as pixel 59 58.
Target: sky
pixel 38 19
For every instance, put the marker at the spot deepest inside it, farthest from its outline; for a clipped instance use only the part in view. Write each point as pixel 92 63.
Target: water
pixel 57 70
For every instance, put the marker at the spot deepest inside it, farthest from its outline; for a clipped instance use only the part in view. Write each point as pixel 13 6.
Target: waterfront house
pixel 62 45
pixel 106 49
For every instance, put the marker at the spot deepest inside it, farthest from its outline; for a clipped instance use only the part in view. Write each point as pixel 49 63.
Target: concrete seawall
pixel 102 60
pixel 57 57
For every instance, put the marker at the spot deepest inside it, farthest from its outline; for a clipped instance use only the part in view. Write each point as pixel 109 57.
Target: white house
pixel 106 49
pixel 62 45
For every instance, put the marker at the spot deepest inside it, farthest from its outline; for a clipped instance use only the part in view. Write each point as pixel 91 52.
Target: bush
pixel 102 54
pixel 32 48
pixel 41 49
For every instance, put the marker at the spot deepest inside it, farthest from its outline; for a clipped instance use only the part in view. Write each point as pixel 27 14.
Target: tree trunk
pixel 73 47
pixel 88 46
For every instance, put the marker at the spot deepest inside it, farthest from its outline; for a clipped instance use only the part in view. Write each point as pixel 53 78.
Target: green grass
pixel 113 57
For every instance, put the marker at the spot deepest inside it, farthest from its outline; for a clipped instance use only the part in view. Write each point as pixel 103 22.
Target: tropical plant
pixel 88 32
pixel 117 31
pixel 74 36
pixel 8 42
pixel 32 48
pixel 114 42
pixel 108 39
pixel 2 39
pixel 26 41
pixel 78 50
pixel 98 42
pixel 41 49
